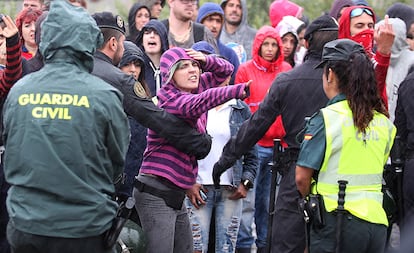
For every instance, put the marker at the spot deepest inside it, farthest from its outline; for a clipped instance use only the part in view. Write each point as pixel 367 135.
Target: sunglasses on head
pixel 359 11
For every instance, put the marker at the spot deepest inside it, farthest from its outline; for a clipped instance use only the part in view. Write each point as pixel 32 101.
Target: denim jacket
pixel 246 166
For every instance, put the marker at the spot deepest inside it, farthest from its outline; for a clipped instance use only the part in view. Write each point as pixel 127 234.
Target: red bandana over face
pixel 365 38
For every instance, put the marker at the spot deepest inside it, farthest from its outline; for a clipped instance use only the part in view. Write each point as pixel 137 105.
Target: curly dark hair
pixel 357 81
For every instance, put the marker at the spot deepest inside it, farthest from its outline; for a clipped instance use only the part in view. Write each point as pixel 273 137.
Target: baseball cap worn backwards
pixel 108 20
pixel 322 23
pixel 339 50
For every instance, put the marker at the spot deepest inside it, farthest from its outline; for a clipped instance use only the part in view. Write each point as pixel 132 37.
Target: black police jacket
pixel 143 110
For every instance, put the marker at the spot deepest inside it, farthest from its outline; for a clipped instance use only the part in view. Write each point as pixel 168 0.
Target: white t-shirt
pixel 219 129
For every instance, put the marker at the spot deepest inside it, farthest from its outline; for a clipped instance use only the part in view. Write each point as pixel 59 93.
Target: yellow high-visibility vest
pixel 357 158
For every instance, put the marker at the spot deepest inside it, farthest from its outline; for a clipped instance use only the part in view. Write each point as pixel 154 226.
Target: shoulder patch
pixel 139 90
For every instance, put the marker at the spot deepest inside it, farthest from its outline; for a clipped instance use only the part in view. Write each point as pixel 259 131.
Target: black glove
pixel 217 171
pixel 247 90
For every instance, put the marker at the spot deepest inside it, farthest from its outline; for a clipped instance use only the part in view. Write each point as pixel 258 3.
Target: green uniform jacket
pixel 66 135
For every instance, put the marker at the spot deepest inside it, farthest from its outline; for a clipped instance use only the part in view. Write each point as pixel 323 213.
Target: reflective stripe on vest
pixel 357 158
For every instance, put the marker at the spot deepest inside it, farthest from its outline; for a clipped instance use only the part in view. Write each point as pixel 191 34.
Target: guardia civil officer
pixel 348 143
pixel 66 135
pixel 141 108
pixel 295 94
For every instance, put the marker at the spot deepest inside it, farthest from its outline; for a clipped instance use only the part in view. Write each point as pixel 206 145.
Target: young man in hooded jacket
pixel 237 33
pixel 357 23
pixel 212 16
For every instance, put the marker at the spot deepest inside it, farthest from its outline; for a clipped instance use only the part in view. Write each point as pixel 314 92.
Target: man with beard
pixel 237 33
pixel 182 31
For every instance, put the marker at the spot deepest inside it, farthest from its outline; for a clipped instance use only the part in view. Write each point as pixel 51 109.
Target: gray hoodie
pixel 244 34
pixel 402 59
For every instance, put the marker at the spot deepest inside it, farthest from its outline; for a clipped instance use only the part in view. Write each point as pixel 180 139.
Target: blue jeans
pixel 245 237
pixel 227 220
pixel 259 206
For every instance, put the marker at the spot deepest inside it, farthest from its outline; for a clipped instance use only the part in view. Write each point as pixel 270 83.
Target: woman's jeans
pixel 168 230
pixel 227 220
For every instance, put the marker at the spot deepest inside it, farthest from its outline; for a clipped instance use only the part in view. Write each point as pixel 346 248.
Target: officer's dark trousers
pixel 357 236
pixel 4 217
pixel 408 191
pixel 288 227
pixel 22 242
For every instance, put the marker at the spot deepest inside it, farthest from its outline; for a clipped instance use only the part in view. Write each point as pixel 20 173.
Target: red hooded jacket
pixel 262 73
pixel 381 62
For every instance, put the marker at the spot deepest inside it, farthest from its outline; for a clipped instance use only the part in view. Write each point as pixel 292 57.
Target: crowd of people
pixel 179 116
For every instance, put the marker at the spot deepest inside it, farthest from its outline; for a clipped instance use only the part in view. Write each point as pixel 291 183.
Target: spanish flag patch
pixel 307 137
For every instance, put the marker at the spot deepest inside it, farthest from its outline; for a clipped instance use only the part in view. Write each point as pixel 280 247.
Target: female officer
pixel 348 140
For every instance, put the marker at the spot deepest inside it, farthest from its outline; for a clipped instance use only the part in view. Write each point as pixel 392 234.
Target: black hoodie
pixel 133 32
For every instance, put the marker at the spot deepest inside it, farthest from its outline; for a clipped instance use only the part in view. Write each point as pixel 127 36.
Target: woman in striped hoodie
pixel 189 78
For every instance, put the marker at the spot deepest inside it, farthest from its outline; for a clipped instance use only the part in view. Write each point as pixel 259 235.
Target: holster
pixel 112 234
pixel 316 210
pixel 172 198
pixel 122 215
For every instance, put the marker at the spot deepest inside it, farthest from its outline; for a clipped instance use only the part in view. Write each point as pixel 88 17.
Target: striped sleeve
pixel 381 63
pixel 216 71
pixel 13 71
pixel 192 106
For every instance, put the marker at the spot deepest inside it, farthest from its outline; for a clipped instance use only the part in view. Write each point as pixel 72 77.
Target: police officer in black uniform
pixel 404 120
pixel 141 109
pixel 295 95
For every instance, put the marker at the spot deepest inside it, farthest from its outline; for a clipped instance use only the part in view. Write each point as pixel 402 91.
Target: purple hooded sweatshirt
pixel 160 157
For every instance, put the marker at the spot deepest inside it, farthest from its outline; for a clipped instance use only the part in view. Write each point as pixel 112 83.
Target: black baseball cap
pixel 108 20
pixel 322 23
pixel 339 50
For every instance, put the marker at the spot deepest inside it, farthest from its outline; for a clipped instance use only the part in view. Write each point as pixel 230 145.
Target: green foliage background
pixel 258 10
